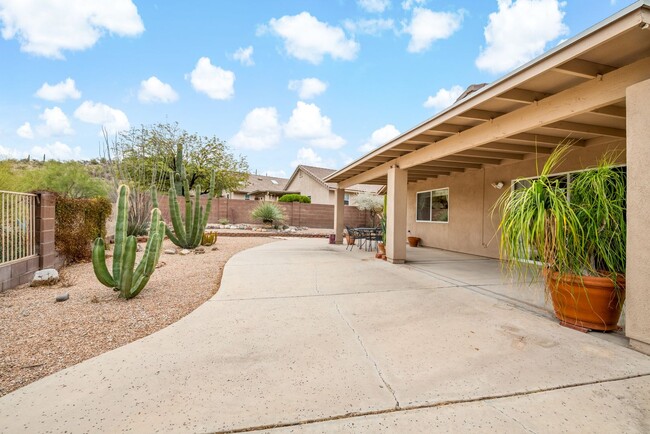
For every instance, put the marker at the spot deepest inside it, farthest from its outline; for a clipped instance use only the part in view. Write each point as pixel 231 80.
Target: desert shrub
pixel 268 213
pixel 77 223
pixel 223 221
pixel 294 198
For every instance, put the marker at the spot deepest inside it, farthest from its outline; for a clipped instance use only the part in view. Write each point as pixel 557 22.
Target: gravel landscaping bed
pixel 39 336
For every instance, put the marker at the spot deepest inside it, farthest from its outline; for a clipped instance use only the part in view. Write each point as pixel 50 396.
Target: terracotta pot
pixel 384 257
pixel 413 241
pixel 588 302
pixel 378 255
pixel 381 248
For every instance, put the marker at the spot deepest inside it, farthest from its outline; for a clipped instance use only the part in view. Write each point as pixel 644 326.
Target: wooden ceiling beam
pixel 583 68
pixel 587 129
pixel 541 139
pixel 510 147
pixel 523 96
pixel 611 111
pixel 491 154
pixel 479 115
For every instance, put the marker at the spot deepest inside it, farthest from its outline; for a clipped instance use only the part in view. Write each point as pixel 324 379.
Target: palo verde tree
pixel 146 155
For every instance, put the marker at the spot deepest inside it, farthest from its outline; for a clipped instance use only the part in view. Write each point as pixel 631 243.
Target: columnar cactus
pixel 125 278
pixel 188 234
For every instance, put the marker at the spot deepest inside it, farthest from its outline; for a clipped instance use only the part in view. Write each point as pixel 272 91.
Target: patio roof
pixel 576 91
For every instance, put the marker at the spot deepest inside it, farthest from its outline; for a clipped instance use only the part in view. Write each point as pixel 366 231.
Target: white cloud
pixel 308 88
pixel 427 26
pixel 379 137
pixel 56 151
pixel 213 81
pixel 518 32
pixel 443 98
pixel 10 153
pixel 306 38
pixel 25 131
pixel 259 130
pixel 154 90
pixel 374 5
pixel 59 92
pixel 111 119
pixel 373 27
pixel 244 55
pixel 56 123
pixel 47 28
pixel 308 125
pixel 408 4
pixel 308 157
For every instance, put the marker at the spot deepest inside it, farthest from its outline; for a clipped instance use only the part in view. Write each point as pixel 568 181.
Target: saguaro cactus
pixel 187 234
pixel 125 278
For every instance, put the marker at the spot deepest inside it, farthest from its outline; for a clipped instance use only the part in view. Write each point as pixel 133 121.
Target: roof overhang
pixel 576 90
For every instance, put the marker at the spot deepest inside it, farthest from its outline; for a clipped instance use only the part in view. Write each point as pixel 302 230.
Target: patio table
pixel 368 235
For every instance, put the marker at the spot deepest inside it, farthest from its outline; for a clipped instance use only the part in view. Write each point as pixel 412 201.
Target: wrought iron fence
pixel 17 226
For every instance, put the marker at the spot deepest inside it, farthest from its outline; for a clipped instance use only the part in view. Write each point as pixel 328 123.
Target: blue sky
pixel 282 82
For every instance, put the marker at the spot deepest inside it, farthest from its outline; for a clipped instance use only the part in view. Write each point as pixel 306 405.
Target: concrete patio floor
pixel 307 337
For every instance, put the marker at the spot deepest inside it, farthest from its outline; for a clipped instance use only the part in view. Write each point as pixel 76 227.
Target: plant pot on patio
pixel 381 248
pixel 587 302
pixel 413 241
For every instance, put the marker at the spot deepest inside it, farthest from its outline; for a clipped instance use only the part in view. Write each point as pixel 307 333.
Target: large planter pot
pixel 381 248
pixel 413 241
pixel 587 302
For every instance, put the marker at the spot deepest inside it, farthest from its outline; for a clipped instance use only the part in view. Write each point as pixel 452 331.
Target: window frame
pixel 430 200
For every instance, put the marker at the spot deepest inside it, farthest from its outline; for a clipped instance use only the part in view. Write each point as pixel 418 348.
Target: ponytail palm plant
pixel 576 230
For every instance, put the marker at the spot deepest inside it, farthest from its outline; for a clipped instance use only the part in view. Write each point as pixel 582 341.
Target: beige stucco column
pixel 396 215
pixel 637 310
pixel 339 213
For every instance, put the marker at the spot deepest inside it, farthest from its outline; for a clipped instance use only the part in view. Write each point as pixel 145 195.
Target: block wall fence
pixel 310 215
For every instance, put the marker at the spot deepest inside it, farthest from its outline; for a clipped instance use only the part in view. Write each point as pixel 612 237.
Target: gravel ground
pixel 39 336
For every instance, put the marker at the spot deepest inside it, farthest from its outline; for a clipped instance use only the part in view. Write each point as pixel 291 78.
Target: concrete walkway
pixel 307 337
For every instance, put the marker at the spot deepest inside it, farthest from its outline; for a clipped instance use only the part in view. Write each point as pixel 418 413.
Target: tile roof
pixel 320 173
pixel 263 183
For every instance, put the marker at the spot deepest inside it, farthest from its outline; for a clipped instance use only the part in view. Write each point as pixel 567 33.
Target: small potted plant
pixel 577 233
pixel 413 241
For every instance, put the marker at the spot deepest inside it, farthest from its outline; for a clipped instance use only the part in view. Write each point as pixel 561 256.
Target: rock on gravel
pixel 184 252
pixel 170 251
pixel 199 250
pixel 45 277
pixel 63 297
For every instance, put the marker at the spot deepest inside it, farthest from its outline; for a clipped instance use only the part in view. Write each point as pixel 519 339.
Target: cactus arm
pixel 196 216
pixel 162 227
pixel 99 264
pixel 188 210
pixel 128 261
pixel 153 229
pixel 177 222
pixel 120 230
pixel 173 238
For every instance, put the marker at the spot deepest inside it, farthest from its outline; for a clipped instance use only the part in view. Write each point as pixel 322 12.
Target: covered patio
pixel 592 90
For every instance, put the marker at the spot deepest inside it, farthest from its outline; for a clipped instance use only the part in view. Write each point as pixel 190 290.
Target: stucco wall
pixel 472 228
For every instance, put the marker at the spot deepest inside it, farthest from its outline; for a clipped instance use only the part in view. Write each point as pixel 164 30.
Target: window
pixel 247 197
pixel 346 199
pixel 433 206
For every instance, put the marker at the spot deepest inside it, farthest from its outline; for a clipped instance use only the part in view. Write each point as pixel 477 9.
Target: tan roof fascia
pixel 626 19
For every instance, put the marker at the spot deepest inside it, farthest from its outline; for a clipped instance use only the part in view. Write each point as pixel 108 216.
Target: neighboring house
pixel 259 187
pixel 309 181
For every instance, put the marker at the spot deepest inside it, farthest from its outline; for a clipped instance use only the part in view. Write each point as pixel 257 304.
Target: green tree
pixel 70 179
pixel 147 154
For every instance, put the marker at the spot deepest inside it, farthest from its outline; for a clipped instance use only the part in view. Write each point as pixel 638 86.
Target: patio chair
pixel 350 237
